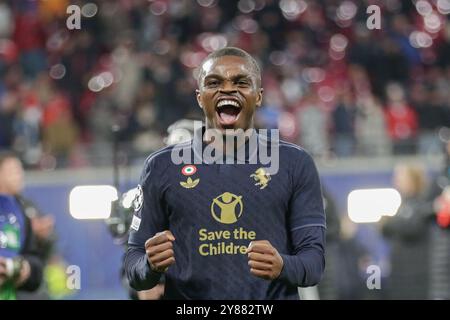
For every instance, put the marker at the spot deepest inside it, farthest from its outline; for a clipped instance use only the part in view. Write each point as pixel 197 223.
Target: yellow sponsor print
pixel 225 241
pixel 227 208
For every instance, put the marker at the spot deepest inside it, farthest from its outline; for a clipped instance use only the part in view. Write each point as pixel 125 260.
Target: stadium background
pixel 359 100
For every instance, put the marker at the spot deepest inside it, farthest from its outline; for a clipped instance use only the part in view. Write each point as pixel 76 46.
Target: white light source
pixel 92 202
pixel 369 205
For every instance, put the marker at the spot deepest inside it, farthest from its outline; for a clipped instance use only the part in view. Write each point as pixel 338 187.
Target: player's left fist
pixel 264 260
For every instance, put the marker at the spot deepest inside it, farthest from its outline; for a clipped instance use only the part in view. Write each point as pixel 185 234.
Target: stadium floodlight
pixel 369 205
pixel 92 202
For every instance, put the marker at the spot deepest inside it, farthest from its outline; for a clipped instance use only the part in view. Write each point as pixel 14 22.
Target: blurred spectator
pixel 433 114
pixel 6 19
pixel 127 62
pixel 344 125
pixel 140 125
pixel 58 128
pixel 440 234
pixel 408 235
pixel 42 226
pixel 29 36
pixel 370 128
pixel 20 262
pixel 102 116
pixel 401 120
pixel 313 125
pixel 8 111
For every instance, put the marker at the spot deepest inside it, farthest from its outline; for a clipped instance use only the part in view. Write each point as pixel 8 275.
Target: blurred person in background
pixel 42 226
pixel 312 122
pixel 102 116
pixel 60 133
pixel 344 124
pixel 370 128
pixel 21 264
pixel 440 232
pixel 141 126
pixel 408 235
pixel 8 114
pixel 401 120
pixel 30 36
pixel 433 113
pixel 6 19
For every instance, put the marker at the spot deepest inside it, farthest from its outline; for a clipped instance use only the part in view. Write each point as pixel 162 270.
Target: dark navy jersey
pixel 215 211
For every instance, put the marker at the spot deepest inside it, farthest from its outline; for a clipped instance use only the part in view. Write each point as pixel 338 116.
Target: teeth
pixel 228 102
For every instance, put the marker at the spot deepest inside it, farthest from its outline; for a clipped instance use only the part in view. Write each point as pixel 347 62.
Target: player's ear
pixel 259 97
pixel 198 95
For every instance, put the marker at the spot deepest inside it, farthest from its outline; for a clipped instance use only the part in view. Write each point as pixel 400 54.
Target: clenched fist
pixel 159 249
pixel 264 260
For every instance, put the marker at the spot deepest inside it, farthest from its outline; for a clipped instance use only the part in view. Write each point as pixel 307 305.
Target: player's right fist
pixel 159 249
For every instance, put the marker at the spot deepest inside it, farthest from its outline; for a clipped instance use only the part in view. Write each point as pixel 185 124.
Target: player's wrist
pixel 281 261
pixel 284 276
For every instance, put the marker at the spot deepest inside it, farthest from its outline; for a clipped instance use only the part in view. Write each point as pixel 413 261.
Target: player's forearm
pixel 139 273
pixel 304 269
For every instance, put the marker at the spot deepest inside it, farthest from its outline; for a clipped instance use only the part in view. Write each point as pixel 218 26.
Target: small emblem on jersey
pixel 189 183
pixel 227 208
pixel 138 199
pixel 189 170
pixel 261 177
pixel 135 223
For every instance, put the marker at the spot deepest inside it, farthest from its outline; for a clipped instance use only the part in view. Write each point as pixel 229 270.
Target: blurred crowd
pixel 331 84
pixel 405 256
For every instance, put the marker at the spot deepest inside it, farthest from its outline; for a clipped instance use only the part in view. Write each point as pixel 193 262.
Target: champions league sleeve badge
pixel 138 199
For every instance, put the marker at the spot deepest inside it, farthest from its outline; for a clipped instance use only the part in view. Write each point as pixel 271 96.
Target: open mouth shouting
pixel 228 111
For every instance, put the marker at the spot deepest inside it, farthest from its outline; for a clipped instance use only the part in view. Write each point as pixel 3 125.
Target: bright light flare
pixel 369 205
pixel 92 202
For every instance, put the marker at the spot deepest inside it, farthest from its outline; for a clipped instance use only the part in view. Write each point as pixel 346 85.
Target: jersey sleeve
pixel 149 218
pixel 306 204
pixel 304 266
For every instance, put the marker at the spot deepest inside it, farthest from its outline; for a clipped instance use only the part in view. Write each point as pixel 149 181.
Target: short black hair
pixel 232 51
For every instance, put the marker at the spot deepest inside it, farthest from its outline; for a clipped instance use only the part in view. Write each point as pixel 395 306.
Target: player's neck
pixel 230 141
